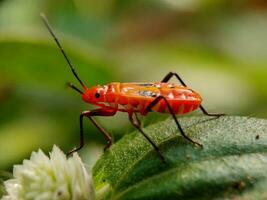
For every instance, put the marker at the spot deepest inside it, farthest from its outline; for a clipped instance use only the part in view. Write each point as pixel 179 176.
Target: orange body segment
pixel 135 97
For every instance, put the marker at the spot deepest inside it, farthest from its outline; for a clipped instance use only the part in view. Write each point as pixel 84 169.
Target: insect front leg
pixel 170 75
pixel 89 114
pixel 155 102
pixel 136 123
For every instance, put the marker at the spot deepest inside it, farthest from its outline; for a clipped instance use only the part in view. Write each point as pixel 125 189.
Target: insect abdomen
pixel 178 107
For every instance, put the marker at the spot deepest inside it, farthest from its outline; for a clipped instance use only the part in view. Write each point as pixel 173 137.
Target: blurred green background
pixel 218 47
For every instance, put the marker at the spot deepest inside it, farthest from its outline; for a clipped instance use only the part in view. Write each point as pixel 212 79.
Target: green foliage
pixel 37 60
pixel 231 164
pixel 206 41
pixel 34 102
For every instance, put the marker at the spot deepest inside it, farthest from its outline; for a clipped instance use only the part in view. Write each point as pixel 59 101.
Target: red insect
pixel 135 98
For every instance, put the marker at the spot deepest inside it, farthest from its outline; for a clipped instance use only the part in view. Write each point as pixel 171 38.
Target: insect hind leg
pixel 170 75
pixel 157 100
pixel 204 111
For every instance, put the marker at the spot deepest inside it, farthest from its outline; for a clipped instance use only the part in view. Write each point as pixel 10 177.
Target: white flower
pixel 54 178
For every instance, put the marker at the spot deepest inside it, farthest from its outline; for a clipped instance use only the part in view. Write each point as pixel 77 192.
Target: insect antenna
pixel 45 20
pixel 73 87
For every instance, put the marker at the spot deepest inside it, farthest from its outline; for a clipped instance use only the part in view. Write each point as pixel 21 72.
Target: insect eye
pixel 97 95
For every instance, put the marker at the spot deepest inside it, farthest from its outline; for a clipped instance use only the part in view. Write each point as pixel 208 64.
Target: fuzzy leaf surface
pixel 232 164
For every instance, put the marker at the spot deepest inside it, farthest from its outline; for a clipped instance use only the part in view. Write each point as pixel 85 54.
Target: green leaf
pixel 233 162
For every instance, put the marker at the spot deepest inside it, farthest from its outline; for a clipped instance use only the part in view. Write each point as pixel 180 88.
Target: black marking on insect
pixel 146 84
pixel 147 93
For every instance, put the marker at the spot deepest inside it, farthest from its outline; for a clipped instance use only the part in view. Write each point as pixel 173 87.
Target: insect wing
pixel 139 90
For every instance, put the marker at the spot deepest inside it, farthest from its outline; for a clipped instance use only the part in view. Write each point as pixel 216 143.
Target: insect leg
pixel 205 112
pixel 157 100
pixel 136 123
pixel 170 75
pixel 89 114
